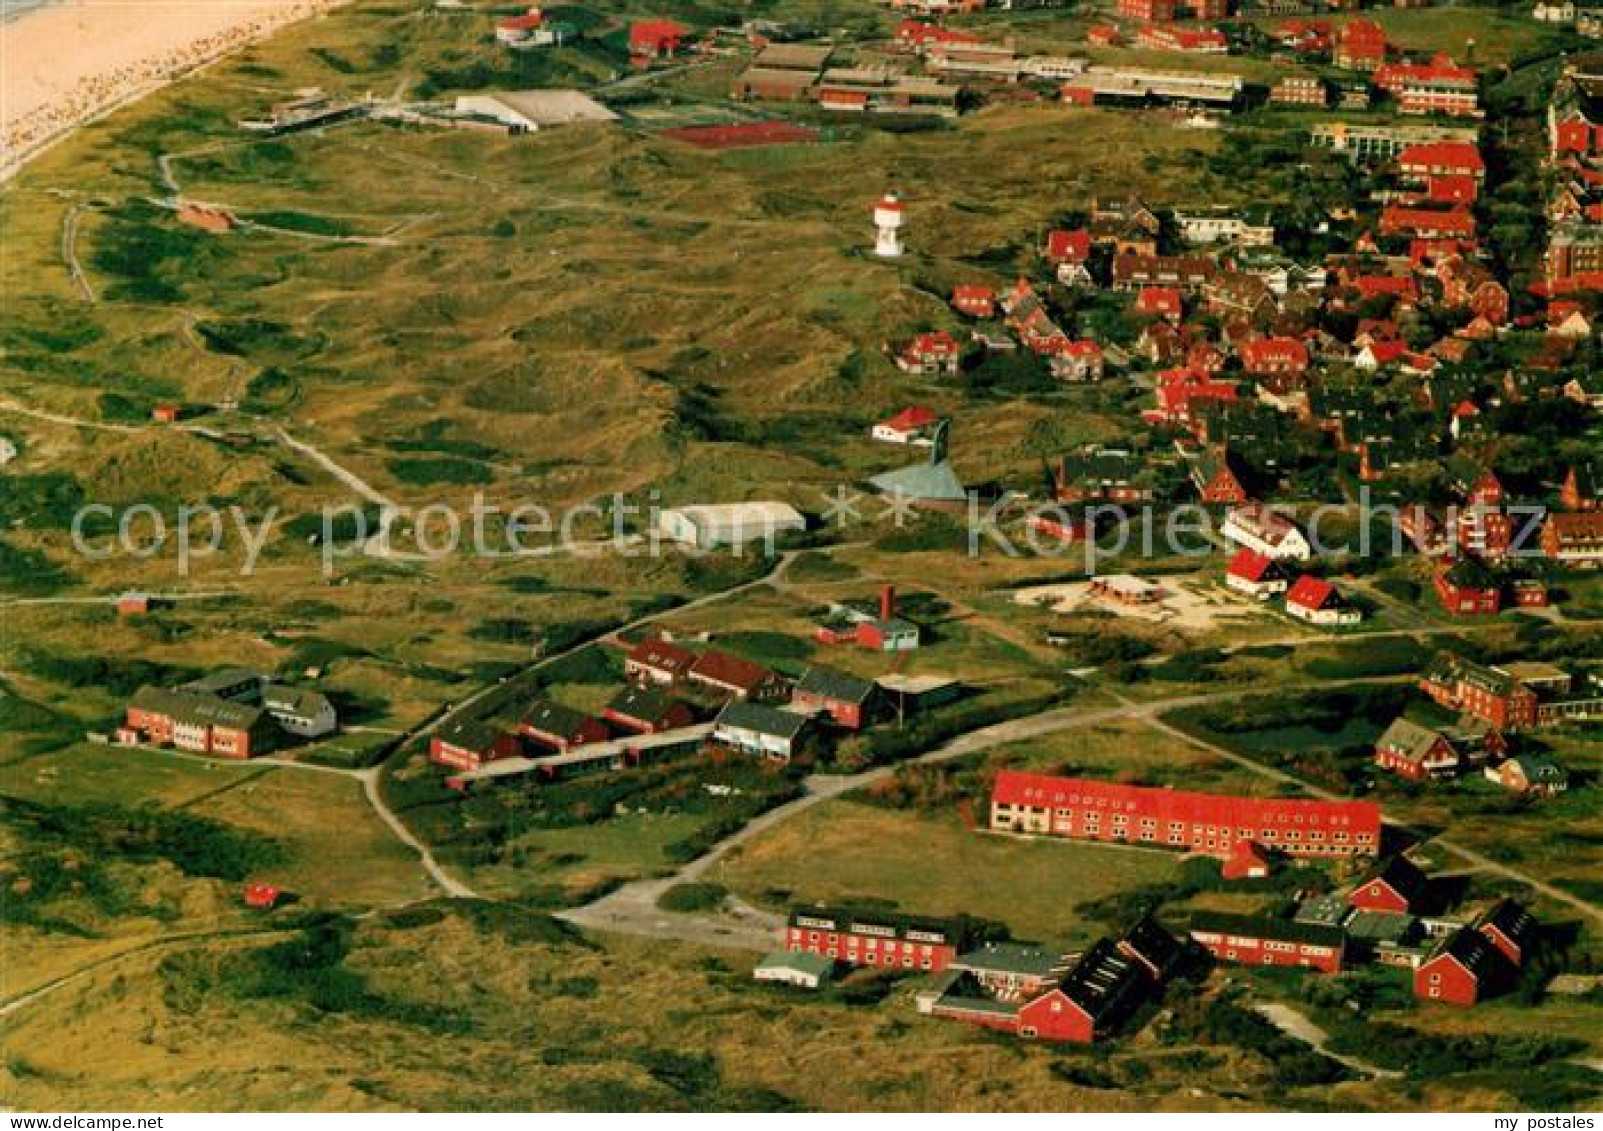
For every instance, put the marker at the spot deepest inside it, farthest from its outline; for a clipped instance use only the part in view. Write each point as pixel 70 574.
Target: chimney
pixel 887 602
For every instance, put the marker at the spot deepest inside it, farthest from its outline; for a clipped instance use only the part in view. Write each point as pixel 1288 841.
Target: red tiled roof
pixel 916 416
pixel 1159 299
pixel 655 653
pixel 1271 351
pixel 1074 247
pixel 728 670
pixel 530 20
pixel 1015 787
pixel 1310 593
pixel 1250 565
pixel 1456 156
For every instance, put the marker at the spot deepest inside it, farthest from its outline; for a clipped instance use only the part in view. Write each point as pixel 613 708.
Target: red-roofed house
pixel 1360 46
pixel 1442 159
pixel 1078 361
pixel 1452 189
pixel 658 661
pixel 915 34
pixel 1103 35
pixel 1176 818
pixel 1429 223
pixel 1161 302
pixel 1255 574
pixel 974 300
pixel 936 352
pixel 1317 602
pixel 1200 41
pixel 736 676
pixel 656 39
pixel 1068 246
pixel 516 29
pixel 1275 357
pixel 912 425
pixel 1179 391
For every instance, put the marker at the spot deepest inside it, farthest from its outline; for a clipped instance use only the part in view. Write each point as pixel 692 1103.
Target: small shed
pixel 263 896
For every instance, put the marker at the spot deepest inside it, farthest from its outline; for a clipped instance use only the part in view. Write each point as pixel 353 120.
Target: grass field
pixel 845 851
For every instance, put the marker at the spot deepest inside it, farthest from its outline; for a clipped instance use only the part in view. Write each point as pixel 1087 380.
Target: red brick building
pixel 655 661
pixel 1360 46
pixel 1196 822
pixel 844 698
pixel 469 744
pixel 1148 11
pixel 876 938
pixel 1466 590
pixel 1397 886
pixel 1463 970
pixel 974 300
pixel 1493 696
pixel 736 676
pixel 1258 940
pixel 642 710
pixel 198 722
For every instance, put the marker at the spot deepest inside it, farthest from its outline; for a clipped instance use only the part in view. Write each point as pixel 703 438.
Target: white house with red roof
pixel 1317 602
pixel 1070 252
pixel 1273 535
pixel 1256 575
pixel 913 425
pixel 1078 361
pixel 931 353
pixel 517 30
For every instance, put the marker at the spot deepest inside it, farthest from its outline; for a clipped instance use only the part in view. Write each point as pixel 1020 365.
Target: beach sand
pixel 69 62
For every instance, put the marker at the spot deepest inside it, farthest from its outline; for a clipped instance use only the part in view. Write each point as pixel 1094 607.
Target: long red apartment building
pixel 875 938
pixel 1197 822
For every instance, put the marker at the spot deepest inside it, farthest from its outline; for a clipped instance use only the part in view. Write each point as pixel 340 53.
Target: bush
pixel 693 897
pixel 428 471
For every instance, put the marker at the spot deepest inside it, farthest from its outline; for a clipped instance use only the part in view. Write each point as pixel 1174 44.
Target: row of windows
pixel 852 941
pixel 1063 808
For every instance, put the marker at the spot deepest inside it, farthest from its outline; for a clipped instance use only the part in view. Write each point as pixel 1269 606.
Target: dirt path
pixel 69 253
pixel 89 969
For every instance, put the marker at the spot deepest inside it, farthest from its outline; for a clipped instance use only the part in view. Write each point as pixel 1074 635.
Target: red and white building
pixel 1198 822
pixel 875 938
pixel 1318 602
pixel 658 661
pixel 1256 575
pixel 974 300
pixel 737 677
pixel 1397 886
pixel 1259 940
pixel 931 353
pixel 913 425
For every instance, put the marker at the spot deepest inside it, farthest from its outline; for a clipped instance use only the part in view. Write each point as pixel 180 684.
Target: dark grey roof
pixel 196 708
pixel 1263 927
pixel 740 714
pixel 831 684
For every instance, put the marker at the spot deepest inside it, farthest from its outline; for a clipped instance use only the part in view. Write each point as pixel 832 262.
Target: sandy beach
pixel 68 62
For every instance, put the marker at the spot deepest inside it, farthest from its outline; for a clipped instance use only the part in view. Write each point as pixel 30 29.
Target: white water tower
pixel 888 220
